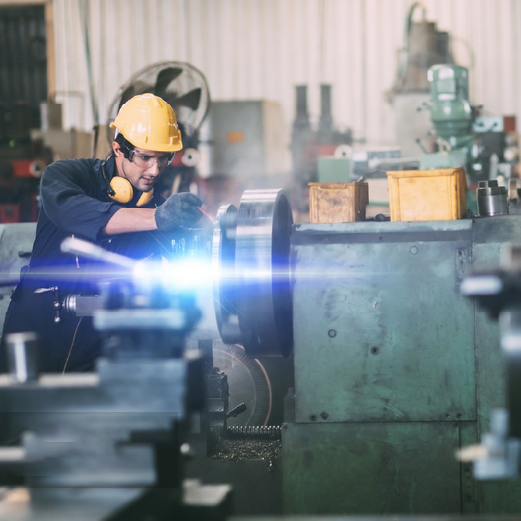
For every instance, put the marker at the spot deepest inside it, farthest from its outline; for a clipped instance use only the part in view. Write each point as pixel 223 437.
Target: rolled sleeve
pixel 70 195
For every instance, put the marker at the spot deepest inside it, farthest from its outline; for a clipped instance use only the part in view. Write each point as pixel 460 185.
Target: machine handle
pixel 91 251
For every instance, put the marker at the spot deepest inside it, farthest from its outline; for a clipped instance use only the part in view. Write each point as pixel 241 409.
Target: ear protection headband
pixel 121 190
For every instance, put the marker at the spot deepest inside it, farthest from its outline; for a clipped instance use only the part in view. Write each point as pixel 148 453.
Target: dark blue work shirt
pixel 75 202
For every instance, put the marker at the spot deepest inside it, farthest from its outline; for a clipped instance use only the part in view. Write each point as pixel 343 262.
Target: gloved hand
pixel 178 210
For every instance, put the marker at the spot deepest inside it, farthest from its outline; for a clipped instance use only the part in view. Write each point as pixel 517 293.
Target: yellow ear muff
pixel 145 198
pixel 123 192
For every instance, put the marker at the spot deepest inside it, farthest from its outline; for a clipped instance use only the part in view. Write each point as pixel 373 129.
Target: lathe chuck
pixel 251 260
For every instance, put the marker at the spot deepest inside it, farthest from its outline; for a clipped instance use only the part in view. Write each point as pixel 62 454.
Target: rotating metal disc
pixel 253 292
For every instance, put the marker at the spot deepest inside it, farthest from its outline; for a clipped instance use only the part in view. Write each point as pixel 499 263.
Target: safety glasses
pixel 146 161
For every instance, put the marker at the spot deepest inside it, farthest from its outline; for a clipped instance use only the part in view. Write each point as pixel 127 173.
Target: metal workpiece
pixel 253 295
pixel 491 198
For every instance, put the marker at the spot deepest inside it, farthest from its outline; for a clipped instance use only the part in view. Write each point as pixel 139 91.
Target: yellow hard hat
pixel 148 122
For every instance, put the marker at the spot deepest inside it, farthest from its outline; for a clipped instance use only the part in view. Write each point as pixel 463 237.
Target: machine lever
pixel 91 251
pixel 239 409
pixel 57 301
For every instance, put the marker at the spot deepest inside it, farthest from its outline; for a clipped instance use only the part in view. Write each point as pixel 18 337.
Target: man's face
pixel 143 168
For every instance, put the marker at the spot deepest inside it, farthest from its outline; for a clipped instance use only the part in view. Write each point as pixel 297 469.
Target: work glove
pixel 178 210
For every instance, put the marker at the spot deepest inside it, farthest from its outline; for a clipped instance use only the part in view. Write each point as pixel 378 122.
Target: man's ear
pixel 116 147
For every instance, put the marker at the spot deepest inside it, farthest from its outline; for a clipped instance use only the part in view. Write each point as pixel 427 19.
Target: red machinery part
pixel 10 213
pixel 28 167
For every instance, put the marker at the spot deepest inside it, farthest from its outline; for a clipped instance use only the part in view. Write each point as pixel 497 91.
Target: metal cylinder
pixel 301 122
pixel 252 290
pixel 22 355
pixel 69 304
pixel 492 199
pixel 326 118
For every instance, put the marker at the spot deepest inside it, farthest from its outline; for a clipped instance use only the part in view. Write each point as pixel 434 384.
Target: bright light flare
pixel 193 273
pixel 180 275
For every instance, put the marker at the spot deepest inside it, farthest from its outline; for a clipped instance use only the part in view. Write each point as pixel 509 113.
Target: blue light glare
pixel 180 275
pixel 194 273
pixel 188 273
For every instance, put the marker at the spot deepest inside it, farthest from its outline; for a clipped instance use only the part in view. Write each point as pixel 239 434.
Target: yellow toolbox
pixel 337 202
pixel 427 195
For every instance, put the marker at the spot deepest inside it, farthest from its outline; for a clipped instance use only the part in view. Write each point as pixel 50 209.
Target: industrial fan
pixel 179 84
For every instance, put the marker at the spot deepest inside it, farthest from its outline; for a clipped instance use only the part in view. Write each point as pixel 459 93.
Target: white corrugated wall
pixel 261 49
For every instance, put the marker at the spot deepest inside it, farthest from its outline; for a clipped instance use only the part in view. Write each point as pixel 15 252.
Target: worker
pixel 111 203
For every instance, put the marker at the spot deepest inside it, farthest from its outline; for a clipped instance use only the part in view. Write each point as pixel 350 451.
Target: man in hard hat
pixel 111 203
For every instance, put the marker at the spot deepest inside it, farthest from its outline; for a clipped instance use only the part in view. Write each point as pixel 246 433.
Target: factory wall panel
pixel 261 49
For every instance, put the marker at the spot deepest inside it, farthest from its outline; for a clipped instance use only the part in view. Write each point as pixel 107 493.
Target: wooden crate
pixel 337 202
pixel 427 195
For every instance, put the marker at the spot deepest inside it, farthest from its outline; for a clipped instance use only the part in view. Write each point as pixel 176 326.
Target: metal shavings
pixel 245 449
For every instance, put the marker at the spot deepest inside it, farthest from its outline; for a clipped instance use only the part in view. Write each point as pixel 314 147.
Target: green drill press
pixel 452 116
pixel 454 119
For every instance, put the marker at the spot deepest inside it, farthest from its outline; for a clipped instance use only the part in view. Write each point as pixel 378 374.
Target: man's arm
pixel 179 210
pixel 127 220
